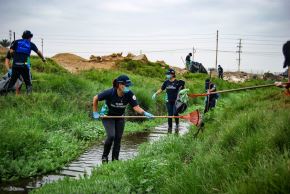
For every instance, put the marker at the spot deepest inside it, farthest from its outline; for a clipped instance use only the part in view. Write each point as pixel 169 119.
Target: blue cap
pixel 124 79
pixel 170 71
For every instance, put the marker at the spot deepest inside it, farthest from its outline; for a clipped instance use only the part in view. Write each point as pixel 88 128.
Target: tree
pixel 5 43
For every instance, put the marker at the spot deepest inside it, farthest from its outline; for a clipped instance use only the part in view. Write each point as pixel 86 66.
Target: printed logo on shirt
pixel 171 87
pixel 134 97
pixel 118 105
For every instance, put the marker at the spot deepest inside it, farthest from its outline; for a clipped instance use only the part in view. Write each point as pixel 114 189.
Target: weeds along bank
pixel 245 148
pixel 44 131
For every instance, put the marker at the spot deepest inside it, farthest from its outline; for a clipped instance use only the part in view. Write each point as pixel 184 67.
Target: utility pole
pixel 193 51
pixel 10 36
pixel 13 36
pixel 42 45
pixel 239 53
pixel 216 48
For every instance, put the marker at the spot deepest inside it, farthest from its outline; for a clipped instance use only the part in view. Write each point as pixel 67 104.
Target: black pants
pixel 221 76
pixel 209 103
pixel 114 129
pixel 23 71
pixel 171 112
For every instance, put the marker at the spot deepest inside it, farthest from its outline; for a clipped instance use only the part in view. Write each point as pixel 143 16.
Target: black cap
pixel 207 80
pixel 27 34
pixel 124 79
pixel 170 71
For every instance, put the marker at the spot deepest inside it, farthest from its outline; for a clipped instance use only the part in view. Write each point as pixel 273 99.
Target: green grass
pixel 44 131
pixel 245 148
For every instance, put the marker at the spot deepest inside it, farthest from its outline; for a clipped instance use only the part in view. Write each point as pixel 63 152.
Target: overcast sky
pixel 162 29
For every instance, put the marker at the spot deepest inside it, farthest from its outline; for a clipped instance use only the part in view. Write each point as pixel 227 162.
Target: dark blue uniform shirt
pixel 172 89
pixel 22 49
pixel 115 103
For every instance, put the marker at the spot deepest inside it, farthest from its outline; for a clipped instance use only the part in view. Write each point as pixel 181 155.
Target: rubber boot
pixel 169 129
pixel 104 160
pixel 177 128
pixel 29 90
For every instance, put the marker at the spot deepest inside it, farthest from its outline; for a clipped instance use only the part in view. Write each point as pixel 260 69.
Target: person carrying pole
pixel 210 99
pixel 172 86
pixel 21 50
pixel 116 100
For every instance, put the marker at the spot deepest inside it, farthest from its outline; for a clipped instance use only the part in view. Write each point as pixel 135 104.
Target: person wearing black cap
pixel 220 72
pixel 286 53
pixel 21 50
pixel 172 86
pixel 187 61
pixel 210 100
pixel 116 100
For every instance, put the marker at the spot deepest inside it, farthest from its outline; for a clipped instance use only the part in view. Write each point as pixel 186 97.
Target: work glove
pixel 154 96
pixel 148 115
pixel 9 72
pixel 96 115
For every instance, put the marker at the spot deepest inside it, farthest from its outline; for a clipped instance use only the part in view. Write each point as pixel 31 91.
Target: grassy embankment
pixel 42 132
pixel 245 148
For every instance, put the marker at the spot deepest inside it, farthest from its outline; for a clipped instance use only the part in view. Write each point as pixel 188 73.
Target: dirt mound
pixel 74 63
pixel 240 76
pixel 142 58
pixel 271 76
pixel 111 58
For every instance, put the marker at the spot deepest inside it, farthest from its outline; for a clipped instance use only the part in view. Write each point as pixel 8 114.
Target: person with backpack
pixel 116 100
pixel 172 87
pixel 210 99
pixel 220 72
pixel 21 50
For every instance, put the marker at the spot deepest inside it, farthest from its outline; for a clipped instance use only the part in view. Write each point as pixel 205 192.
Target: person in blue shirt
pixel 21 50
pixel 172 87
pixel 116 100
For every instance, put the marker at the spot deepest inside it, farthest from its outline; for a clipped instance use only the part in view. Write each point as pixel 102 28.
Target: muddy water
pixel 90 159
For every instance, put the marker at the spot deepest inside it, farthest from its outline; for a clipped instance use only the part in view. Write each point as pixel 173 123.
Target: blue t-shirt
pixel 115 103
pixel 22 49
pixel 172 89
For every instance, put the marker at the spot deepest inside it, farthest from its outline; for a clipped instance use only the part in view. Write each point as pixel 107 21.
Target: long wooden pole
pixel 231 90
pixel 137 117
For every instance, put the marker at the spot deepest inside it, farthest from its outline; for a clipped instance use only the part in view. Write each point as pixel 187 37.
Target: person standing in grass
pixel 172 86
pixel 286 53
pixel 210 99
pixel 116 101
pixel 220 72
pixel 188 60
pixel 21 50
